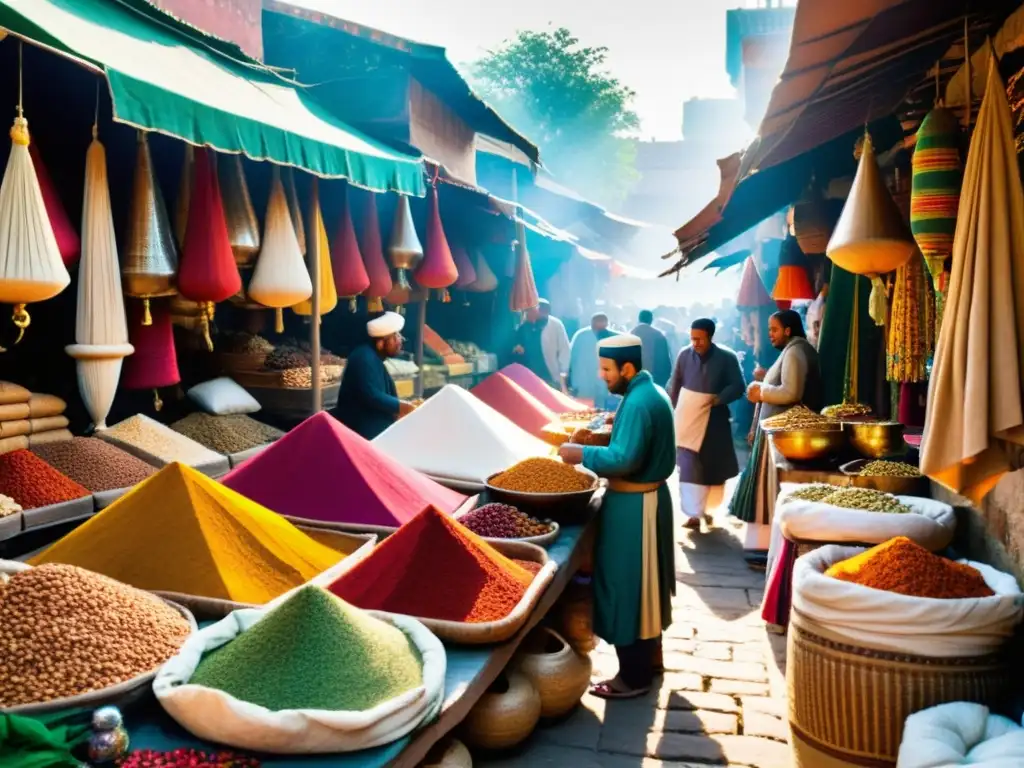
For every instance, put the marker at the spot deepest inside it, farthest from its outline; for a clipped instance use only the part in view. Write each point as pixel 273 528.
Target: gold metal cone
pixel 150 262
pixel 404 248
pixel 243 228
pixel 288 177
pixel 184 194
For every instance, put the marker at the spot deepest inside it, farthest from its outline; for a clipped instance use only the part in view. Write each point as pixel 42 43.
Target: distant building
pixel 756 48
pixel 237 21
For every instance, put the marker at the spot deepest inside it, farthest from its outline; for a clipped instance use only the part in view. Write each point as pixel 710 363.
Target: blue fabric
pixel 367 400
pixel 656 357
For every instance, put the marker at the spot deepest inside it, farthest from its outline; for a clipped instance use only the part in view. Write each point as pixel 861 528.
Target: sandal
pixel 615 689
pixel 692 524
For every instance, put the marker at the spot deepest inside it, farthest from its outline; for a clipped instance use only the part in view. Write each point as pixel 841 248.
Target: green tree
pixel 560 94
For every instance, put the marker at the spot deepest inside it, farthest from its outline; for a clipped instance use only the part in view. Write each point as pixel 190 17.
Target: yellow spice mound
pixel 180 531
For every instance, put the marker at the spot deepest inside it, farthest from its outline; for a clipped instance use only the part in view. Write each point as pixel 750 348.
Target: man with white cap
pixel 368 400
pixel 634 552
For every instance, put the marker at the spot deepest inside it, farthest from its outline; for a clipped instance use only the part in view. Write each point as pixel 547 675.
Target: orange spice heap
pixel 542 476
pixel 901 566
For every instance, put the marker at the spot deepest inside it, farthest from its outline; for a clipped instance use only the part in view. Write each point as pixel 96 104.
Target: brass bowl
pixel 808 444
pixel 876 440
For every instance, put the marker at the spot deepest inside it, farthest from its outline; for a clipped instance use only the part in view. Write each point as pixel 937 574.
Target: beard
pixel 619 387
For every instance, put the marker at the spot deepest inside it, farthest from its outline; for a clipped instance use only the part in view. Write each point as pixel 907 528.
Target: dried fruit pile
pixel 33 483
pixel 66 631
pixel 501 521
pixel 95 464
pixel 186 758
pixel 542 475
pixel 226 434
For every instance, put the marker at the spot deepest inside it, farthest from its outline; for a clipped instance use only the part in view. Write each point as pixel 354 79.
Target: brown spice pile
pixel 66 631
pixel 226 434
pixel 94 463
pixel 542 476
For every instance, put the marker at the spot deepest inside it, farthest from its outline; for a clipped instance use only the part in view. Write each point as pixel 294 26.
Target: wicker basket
pixel 505 715
pixel 449 754
pixel 559 674
pixel 847 704
pixel 574 616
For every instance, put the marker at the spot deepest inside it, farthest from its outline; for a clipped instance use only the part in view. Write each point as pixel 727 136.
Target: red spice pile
pixel 514 402
pixel 434 568
pixel 33 483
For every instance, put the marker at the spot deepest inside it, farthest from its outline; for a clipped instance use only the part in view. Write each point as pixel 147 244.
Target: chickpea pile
pixel 542 476
pixel 65 631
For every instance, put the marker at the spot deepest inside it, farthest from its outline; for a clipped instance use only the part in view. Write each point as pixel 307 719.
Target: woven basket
pixel 574 616
pixel 451 754
pixel 505 715
pixel 558 673
pixel 847 704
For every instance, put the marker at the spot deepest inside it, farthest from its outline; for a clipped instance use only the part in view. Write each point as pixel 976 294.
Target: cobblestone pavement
pixel 721 701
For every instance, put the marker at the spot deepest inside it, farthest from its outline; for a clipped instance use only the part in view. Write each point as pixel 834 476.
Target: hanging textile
pixel 837 333
pixel 68 242
pixel 373 255
pixel 350 276
pixel 155 362
pixel 911 325
pixel 328 293
pixel 437 271
pixel 524 294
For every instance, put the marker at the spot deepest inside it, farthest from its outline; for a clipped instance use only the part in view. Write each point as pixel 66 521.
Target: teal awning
pixel 165 80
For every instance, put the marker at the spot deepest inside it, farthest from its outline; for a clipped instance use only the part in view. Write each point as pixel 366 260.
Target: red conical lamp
pixel 372 249
pixel 350 276
pixel 793 282
pixel 437 271
pixel 68 242
pixel 155 362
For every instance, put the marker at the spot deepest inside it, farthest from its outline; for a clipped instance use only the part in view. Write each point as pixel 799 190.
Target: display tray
pixel 11 525
pixel 217 466
pixel 105 498
pixel 53 514
pixel 235 459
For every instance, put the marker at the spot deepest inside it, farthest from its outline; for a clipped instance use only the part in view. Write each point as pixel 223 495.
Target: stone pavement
pixel 722 698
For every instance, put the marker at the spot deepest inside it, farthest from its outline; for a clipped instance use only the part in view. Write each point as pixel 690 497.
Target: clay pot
pixel 452 754
pixel 505 715
pixel 560 674
pixel 575 615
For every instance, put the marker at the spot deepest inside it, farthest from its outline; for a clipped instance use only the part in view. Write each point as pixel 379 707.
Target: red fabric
pixel 536 386
pixel 372 249
pixel 68 242
pixel 154 363
pixel 437 271
pixel 913 400
pixel 778 596
pixel 322 470
pixel 208 272
pixel 464 264
pixel 524 287
pixel 752 293
pixel 350 277
pixel 511 400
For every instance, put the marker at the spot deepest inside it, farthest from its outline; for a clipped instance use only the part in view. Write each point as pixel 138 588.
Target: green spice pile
pixel 226 434
pixel 33 483
pixel 95 464
pixel 815 492
pixel 314 651
pixel 867 500
pixel 889 469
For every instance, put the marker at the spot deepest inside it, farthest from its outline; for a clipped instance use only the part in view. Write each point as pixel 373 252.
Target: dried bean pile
pixel 226 434
pixel 815 492
pixel 66 631
pixel 161 441
pixel 8 506
pixel 799 417
pixel 501 521
pixel 186 758
pixel 867 500
pixel 889 469
pixel 245 344
pixel 95 464
pixel 33 483
pixel 542 476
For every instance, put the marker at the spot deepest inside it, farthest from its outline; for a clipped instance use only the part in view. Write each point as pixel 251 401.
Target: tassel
pixel 158 404
pixel 21 321
pixel 206 331
pixel 374 304
pixel 878 304
pixel 147 316
pixel 353 304
pixel 279 320
pixel 446 297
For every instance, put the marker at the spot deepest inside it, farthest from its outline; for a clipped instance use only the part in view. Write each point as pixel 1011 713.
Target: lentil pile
pixel 226 434
pixel 799 417
pixel 889 469
pixel 815 492
pixel 33 483
pixel 65 631
pixel 867 500
pixel 846 411
pixel 161 441
pixel 180 531
pixel 501 521
pixel 314 651
pixel 542 475
pixel 8 506
pixel 95 464
pixel 186 758
pixel 434 568
pixel 901 566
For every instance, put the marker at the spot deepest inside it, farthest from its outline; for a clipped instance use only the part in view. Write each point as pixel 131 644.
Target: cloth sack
pixel 223 397
pixel 213 715
pixel 960 733
pixel 885 621
pixel 693 410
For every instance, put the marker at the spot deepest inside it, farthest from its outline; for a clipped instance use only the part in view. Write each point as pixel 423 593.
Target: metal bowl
pixel 556 506
pixel 876 440
pixel 897 486
pixel 808 444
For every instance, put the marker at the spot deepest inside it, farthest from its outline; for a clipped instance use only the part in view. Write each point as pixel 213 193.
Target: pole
pixel 421 324
pixel 313 254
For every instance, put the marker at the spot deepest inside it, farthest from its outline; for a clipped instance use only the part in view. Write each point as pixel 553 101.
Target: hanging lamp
pixel 486 281
pixel 373 255
pixel 871 237
pixel 437 271
pixel 280 278
pixel 243 228
pixel 188 168
pixel 751 299
pixel 814 220
pixel 155 362
pixel 398 297
pixel 101 331
pixel 350 276
pixel 404 249
pixel 68 241
pixel 294 209
pixel 151 257
pixel 524 294
pixel 208 272
pixel 793 282
pixel 328 293
pixel 466 270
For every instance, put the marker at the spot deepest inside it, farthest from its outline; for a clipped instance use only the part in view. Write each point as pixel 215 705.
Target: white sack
pixel 960 733
pixel 213 715
pixel 894 623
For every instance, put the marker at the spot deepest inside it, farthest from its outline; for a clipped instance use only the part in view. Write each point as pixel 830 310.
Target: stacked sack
pixel 961 733
pixel 28 420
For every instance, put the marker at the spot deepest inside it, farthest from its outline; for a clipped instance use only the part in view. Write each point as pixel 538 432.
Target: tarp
pixel 163 79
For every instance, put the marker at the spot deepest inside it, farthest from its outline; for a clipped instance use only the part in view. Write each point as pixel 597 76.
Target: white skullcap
pixel 620 348
pixel 386 325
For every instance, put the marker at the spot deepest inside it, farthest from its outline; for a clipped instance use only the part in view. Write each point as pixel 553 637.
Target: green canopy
pixel 167 79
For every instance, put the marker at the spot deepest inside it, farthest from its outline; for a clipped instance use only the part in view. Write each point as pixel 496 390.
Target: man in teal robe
pixel 634 552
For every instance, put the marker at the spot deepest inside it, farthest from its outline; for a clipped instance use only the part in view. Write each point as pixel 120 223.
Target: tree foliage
pixel 560 94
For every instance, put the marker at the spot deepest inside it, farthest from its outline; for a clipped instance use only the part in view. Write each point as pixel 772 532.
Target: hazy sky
pixel 666 51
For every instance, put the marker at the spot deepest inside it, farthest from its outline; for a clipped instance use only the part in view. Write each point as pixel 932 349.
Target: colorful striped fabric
pixel 935 189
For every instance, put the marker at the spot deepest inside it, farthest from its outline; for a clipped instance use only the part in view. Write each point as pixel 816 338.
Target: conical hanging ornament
pixel 524 294
pixel 350 276
pixel 871 237
pixel 151 257
pixel 280 279
pixel 437 271
pixel 188 165
pixel 155 361
pixel 373 255
pixel 467 273
pixel 404 249
pixel 398 297
pixel 294 208
pixel 101 331
pixel 243 228
pixel 68 241
pixel 486 281
pixel 793 282
pixel 328 293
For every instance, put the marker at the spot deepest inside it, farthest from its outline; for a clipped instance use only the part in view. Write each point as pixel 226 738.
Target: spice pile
pixel 8 506
pixel 434 568
pixel 96 465
pixel 65 631
pixel 161 441
pixel 186 758
pixel 536 386
pixel 846 411
pixel 514 402
pixel 314 651
pixel 799 417
pixel 501 521
pixel 901 566
pixel 233 433
pixel 542 476
pixel 180 531
pixel 867 500
pixel 889 469
pixel 243 343
pixel 33 483
pixel 299 476
pixel 815 492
